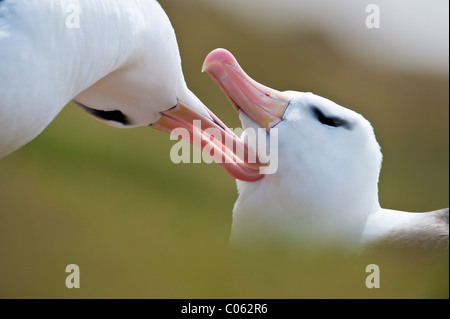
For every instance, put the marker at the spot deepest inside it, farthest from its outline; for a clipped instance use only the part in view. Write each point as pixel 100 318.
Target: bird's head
pixel 171 108
pixel 328 160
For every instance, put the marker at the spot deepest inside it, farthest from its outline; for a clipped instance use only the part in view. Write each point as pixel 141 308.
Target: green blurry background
pixel 140 226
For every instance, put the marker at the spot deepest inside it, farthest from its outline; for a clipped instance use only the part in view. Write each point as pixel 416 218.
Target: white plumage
pixel 121 64
pixel 326 188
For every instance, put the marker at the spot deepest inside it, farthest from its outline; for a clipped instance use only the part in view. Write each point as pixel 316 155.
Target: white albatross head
pixel 122 66
pixel 329 162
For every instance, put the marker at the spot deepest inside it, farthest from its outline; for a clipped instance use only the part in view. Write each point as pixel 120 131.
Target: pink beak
pixel 262 104
pixel 224 148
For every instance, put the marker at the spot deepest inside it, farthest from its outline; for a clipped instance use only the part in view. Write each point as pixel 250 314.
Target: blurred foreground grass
pixel 140 226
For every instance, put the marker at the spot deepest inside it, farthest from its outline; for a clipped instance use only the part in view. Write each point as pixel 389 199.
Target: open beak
pixel 263 105
pixel 225 147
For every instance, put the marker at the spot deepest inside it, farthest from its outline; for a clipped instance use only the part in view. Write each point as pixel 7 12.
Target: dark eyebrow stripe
pixel 336 120
pixel 114 115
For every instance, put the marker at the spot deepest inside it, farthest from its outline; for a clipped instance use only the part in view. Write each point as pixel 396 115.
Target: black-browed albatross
pixel 116 59
pixel 326 187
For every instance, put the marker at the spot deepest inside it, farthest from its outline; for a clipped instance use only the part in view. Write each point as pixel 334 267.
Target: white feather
pixel 124 56
pixel 326 188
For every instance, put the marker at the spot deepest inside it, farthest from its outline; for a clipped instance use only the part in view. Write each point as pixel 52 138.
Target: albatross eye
pixel 330 120
pixel 114 115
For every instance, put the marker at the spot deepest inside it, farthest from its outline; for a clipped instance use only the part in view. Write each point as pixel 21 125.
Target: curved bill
pixel 262 104
pixel 214 138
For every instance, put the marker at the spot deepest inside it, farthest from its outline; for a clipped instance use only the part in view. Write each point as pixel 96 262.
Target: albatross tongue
pixel 262 104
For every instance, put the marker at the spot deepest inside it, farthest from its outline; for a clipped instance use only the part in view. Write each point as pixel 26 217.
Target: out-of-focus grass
pixel 140 226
